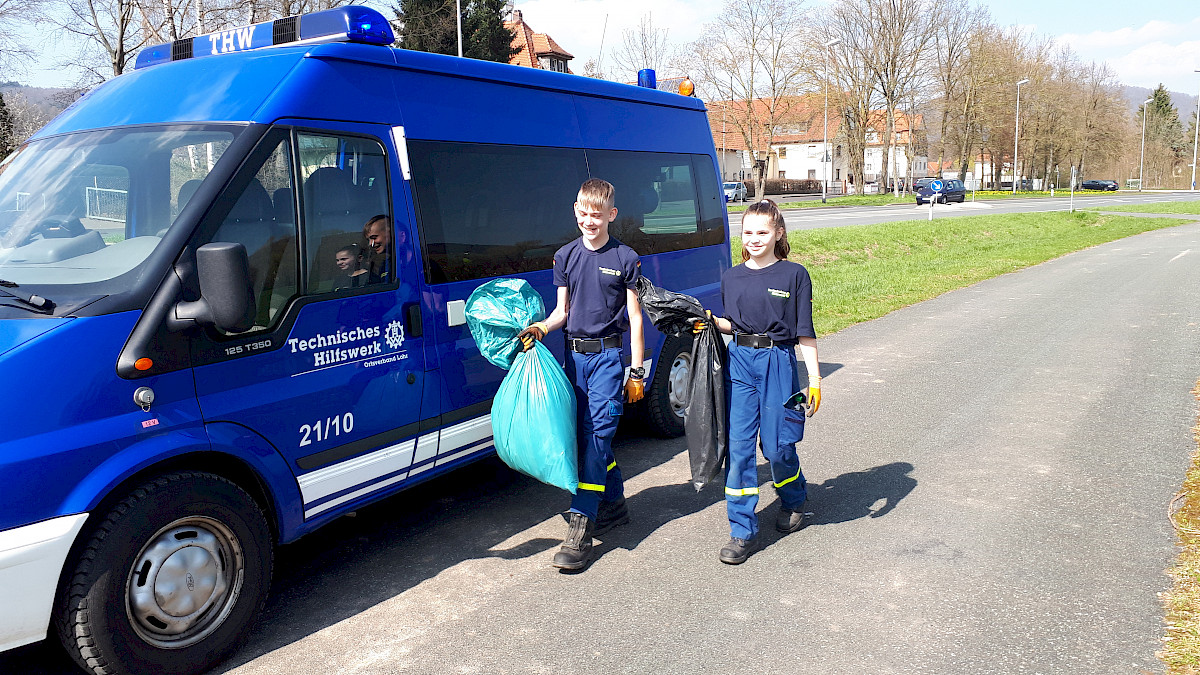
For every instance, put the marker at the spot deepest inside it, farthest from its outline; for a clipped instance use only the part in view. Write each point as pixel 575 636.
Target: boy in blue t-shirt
pixel 596 277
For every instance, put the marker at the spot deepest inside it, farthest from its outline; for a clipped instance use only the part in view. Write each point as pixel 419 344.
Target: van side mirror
pixel 226 297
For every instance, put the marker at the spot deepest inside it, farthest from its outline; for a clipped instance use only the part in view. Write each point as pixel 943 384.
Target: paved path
pixel 989 476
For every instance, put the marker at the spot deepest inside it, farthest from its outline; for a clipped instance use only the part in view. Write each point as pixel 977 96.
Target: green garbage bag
pixel 533 413
pixel 533 420
pixel 497 311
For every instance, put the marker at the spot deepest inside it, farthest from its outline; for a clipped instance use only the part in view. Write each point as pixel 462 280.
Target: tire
pixel 668 392
pixel 124 607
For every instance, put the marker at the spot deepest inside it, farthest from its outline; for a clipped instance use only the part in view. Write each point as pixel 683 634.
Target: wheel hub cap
pixel 184 582
pixel 677 383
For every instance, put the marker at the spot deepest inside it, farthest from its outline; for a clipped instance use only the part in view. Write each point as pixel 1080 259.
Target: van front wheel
pixel 169 580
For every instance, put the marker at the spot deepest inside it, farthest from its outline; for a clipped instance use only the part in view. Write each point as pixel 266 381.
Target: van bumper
pixel 31 559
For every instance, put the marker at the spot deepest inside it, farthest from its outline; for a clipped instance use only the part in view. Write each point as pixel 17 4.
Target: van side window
pixel 347 224
pixel 491 210
pixel 270 241
pixel 657 208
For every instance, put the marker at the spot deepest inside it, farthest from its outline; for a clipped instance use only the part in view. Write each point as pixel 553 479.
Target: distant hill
pixel 1184 103
pixel 33 107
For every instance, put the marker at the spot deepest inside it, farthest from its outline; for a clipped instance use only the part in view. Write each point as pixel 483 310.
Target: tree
pixel 13 50
pixel 643 47
pixel 852 84
pixel 109 33
pixel 1164 139
pixel 753 57
pixel 428 26
pixel 484 34
pixel 432 26
pixel 8 142
pixel 900 32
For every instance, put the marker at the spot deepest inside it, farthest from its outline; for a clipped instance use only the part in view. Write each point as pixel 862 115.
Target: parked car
pixel 735 191
pixel 952 191
pixel 921 183
pixel 1109 185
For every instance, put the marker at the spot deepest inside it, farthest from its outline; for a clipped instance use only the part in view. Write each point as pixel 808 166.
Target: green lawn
pixel 862 272
pixel 1185 208
pixel 889 198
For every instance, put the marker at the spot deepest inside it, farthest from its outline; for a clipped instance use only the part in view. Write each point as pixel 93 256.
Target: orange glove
pixel 814 395
pixel 699 325
pixel 635 389
pixel 534 333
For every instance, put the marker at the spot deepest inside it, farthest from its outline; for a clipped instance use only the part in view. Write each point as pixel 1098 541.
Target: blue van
pixel 232 288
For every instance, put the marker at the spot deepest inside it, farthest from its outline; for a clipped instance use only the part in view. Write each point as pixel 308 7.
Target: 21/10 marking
pixel 324 430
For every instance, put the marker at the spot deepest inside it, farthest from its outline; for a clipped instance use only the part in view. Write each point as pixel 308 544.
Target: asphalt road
pixel 809 218
pixel 989 476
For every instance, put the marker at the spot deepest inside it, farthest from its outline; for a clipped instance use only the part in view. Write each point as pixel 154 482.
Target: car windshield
pixel 731 186
pixel 89 207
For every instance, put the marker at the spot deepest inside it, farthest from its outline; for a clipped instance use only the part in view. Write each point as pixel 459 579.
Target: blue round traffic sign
pixel 936 186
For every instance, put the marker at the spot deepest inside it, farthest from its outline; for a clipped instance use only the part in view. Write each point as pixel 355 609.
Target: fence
pixel 106 204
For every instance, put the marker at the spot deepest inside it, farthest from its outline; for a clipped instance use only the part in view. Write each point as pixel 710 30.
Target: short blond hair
pixel 597 193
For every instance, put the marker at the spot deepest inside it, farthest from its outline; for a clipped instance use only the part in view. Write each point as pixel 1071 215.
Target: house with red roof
pixel 537 50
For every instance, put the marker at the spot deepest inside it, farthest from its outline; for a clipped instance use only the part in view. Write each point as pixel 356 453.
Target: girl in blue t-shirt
pixel 768 310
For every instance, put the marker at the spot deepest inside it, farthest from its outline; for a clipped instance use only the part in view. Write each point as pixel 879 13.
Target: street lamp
pixel 826 157
pixel 1017 133
pixel 1142 161
pixel 1195 138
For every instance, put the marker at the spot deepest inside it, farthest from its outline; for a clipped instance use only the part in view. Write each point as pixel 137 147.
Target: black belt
pixel 756 341
pixel 593 345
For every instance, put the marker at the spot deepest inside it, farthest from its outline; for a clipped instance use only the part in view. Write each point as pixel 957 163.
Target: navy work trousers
pixel 762 381
pixel 597 380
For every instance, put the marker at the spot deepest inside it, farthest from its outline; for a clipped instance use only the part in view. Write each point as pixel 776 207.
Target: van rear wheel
pixel 169 580
pixel 667 396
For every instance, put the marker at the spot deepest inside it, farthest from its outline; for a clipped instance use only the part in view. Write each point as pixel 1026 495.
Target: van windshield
pixel 92 206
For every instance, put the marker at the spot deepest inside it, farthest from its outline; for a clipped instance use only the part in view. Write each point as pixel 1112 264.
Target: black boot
pixel 790 521
pixel 611 515
pixel 737 550
pixel 577 547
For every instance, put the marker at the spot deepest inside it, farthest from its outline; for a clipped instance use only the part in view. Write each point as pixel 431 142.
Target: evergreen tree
pixel 488 39
pixel 1163 126
pixel 430 26
pixel 8 142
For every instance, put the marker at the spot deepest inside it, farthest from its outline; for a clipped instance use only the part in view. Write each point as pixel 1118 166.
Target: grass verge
pixel 1185 208
pixel 884 200
pixel 1181 645
pixel 862 272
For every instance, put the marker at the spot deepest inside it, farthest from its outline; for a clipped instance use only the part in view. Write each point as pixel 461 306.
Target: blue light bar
pixel 354 23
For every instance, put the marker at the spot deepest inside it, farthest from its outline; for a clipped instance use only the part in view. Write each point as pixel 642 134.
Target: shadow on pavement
pixel 855 495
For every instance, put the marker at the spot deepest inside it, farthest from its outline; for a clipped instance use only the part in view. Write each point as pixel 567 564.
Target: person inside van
pixel 596 276
pixel 351 274
pixel 378 236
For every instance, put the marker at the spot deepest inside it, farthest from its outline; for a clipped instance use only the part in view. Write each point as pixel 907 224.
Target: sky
pixel 1145 43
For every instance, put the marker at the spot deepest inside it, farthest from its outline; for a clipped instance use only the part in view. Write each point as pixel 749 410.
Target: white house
pixel 799 149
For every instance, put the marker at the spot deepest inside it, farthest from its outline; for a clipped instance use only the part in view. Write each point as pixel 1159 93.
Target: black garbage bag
pixel 706 416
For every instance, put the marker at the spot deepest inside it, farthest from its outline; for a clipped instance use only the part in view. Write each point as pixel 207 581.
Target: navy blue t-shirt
pixel 775 301
pixel 596 283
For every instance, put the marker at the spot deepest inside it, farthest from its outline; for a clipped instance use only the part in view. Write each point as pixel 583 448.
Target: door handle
pixel 412 319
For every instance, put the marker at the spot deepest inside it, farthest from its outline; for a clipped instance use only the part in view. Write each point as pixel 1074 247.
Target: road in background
pixel 810 218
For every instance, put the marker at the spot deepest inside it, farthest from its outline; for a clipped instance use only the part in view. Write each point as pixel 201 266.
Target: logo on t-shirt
pixel 609 270
pixel 778 293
